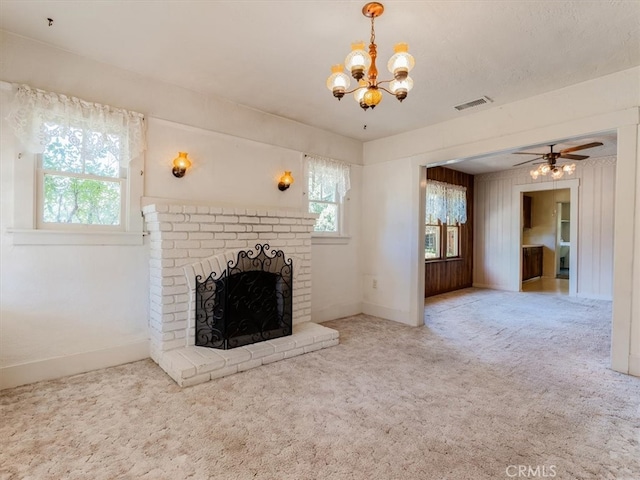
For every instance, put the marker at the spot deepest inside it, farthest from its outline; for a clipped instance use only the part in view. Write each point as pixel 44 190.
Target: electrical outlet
pixel 374 283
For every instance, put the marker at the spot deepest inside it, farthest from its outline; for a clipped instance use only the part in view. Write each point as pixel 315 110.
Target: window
pixel 446 210
pixel 453 241
pixel 77 186
pixel 328 182
pixel 80 181
pixel 432 242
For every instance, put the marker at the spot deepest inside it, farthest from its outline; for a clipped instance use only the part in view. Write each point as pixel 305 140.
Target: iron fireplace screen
pixel 249 302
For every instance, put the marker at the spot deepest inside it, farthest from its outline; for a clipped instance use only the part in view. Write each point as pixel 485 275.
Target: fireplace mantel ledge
pixel 203 209
pixel 193 365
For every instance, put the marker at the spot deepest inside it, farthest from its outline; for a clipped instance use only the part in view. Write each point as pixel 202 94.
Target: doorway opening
pixel 546 240
pixel 542 234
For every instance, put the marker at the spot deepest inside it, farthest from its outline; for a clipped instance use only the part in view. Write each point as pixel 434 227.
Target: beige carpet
pixel 495 381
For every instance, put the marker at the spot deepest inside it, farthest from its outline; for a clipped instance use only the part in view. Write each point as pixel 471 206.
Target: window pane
pixel 432 242
pixel 453 249
pixel 63 152
pixel 102 155
pixel 75 150
pixel 322 188
pixel 328 219
pixel 81 201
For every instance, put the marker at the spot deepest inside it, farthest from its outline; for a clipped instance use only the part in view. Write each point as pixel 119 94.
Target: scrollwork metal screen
pixel 249 302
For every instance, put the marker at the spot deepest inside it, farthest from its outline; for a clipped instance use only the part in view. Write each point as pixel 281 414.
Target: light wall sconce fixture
pixel 285 181
pixel 362 66
pixel 180 164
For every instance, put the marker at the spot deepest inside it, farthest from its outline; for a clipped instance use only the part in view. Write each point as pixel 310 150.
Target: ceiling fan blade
pixel 581 147
pixel 527 153
pixel 574 157
pixel 518 164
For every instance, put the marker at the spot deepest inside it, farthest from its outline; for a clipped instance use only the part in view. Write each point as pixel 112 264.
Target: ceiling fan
pixel 552 156
pixel 549 163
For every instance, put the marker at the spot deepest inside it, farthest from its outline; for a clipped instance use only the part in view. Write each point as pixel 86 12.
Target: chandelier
pixel 556 171
pixel 368 93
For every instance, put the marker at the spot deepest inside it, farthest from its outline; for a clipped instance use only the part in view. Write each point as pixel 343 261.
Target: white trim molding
pixel 52 368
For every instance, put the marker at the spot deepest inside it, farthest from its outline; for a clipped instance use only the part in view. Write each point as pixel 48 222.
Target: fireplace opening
pixel 249 301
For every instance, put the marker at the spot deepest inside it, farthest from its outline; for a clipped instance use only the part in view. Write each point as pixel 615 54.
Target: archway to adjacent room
pixel 624 124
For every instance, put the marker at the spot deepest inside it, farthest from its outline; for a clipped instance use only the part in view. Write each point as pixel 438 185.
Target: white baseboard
pixel 591 296
pixel 51 368
pixel 335 311
pixel 634 365
pixel 388 313
pixel 492 287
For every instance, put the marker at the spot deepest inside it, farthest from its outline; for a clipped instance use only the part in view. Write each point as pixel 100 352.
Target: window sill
pixel 57 237
pixel 329 240
pixel 439 260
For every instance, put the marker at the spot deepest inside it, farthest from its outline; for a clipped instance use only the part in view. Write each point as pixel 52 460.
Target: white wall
pixel 66 309
pixel 603 104
pixel 388 214
pixel 336 294
pixel 496 214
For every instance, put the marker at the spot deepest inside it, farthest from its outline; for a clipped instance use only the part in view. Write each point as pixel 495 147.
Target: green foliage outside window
pixel 328 216
pixel 82 201
pixel 323 201
pixel 81 179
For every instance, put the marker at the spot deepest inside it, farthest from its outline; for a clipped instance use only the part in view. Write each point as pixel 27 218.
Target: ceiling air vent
pixel 473 103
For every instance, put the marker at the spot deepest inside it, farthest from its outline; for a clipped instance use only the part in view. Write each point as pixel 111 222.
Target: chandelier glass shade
pixel 361 64
pixel 556 171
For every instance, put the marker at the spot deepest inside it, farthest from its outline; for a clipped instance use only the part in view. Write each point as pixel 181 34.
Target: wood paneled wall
pixel 442 276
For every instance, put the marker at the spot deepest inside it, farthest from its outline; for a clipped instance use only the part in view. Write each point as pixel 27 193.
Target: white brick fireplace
pixel 186 240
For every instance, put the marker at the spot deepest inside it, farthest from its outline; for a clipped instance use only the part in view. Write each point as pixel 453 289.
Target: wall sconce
pixel 285 181
pixel 180 164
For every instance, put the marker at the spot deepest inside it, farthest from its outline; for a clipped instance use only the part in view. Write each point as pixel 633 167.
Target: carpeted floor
pixel 496 384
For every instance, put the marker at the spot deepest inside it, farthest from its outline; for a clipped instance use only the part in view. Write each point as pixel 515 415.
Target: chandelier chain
pixel 373 31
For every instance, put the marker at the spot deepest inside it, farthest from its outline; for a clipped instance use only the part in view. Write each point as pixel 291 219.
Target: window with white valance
pixel 446 203
pixel 82 152
pixel 38 116
pixel 328 182
pixel 446 210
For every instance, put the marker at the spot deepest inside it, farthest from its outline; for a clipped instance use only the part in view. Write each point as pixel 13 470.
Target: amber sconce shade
pixel 285 181
pixel 180 164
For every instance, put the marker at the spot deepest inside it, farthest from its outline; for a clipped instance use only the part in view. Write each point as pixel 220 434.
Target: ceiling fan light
pixel 569 168
pixel 338 81
pixel 544 169
pixel 557 173
pixel 401 63
pixel 357 61
pixel 534 174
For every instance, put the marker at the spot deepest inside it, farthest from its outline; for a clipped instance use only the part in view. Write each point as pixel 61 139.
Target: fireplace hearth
pixel 249 301
pixel 187 241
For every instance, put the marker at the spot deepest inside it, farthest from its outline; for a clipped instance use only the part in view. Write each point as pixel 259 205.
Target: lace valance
pixel 446 203
pixel 38 116
pixel 326 171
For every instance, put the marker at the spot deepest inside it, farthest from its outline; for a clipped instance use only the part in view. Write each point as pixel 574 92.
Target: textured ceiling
pixel 275 55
